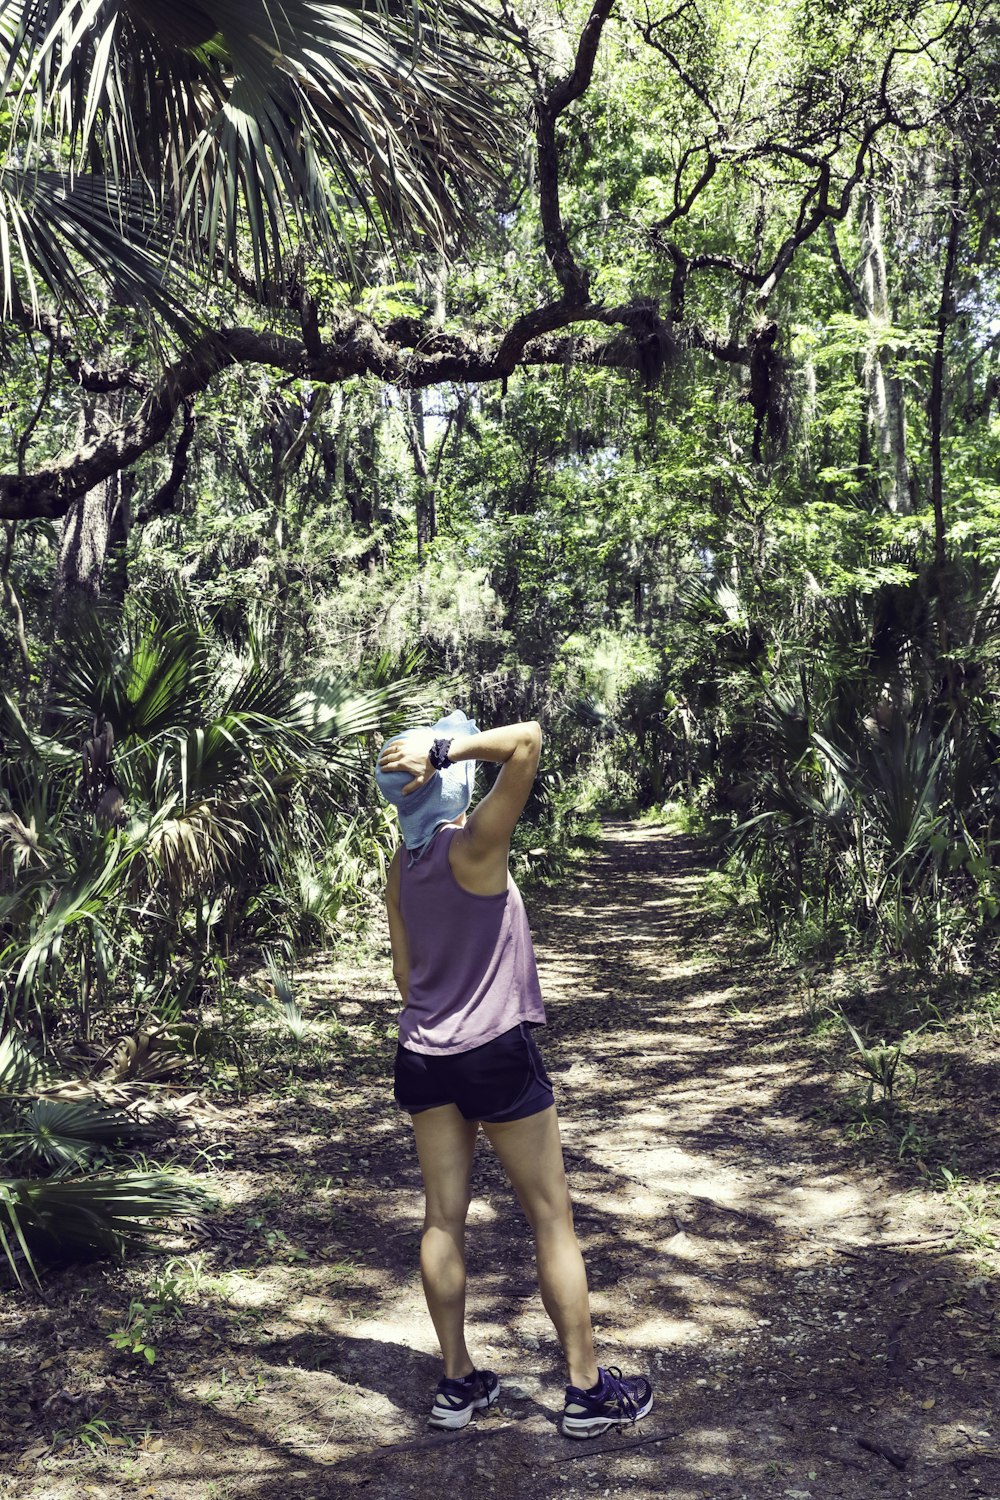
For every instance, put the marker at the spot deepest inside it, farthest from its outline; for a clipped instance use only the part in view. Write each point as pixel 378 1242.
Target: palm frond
pixel 282 121
pixel 902 780
pixel 79 901
pixel 67 1133
pixel 38 749
pixel 58 229
pixel 143 679
pixel 145 1055
pixel 283 1004
pixel 22 840
pixel 96 1215
pixel 196 845
pixel 22 1071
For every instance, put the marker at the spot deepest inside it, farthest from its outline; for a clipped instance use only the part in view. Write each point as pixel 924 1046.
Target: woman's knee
pixel 549 1211
pixel 448 1214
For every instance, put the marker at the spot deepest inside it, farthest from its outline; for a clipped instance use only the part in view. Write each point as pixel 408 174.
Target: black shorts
pixel 503 1080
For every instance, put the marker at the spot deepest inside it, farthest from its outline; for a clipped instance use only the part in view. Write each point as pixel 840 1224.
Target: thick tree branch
pixel 577 82
pixel 90 377
pixel 164 498
pixel 651 30
pixel 573 279
pixel 51 489
pixel 846 279
pixel 43 396
pixel 405 353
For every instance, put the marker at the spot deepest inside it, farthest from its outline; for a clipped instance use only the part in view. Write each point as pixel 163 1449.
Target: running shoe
pixel 616 1400
pixel 456 1400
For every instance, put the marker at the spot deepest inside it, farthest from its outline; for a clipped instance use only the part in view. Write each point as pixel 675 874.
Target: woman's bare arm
pixel 397 932
pixel 479 853
pixel 486 836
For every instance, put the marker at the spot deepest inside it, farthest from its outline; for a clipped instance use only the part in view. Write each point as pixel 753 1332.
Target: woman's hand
pixel 410 755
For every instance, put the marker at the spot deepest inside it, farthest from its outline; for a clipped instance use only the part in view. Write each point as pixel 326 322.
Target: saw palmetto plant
pixel 868 811
pixel 63 1192
pixel 225 133
pixel 170 811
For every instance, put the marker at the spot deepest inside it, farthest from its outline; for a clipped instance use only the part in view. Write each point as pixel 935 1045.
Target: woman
pixel 465 967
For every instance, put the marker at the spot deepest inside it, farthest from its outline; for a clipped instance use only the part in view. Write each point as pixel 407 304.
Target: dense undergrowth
pixel 738 556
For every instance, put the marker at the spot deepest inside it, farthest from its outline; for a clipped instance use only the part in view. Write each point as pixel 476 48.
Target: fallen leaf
pixel 926 1405
pixel 197 1446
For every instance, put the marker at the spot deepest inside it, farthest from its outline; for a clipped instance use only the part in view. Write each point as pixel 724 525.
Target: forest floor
pixel 814 1300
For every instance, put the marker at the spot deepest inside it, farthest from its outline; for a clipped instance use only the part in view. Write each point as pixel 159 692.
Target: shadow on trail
pixel 738 1249
pixel 805 1332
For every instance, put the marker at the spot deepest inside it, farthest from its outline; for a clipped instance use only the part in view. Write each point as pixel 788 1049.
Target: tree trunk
pixel 426 496
pixel 946 312
pixel 88 525
pixel 886 398
pixel 11 598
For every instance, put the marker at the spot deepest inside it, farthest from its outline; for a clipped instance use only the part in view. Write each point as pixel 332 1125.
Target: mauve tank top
pixel 472 965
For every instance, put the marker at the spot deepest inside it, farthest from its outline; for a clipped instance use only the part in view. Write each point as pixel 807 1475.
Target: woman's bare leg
pixel 445 1144
pixel 530 1152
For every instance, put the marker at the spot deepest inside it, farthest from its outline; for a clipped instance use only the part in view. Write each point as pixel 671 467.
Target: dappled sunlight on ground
pixel 790 1299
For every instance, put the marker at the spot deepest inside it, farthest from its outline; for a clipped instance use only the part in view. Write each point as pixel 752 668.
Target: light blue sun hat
pixel 442 799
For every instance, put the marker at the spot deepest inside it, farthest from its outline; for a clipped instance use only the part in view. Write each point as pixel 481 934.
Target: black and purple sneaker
pixel 616 1400
pixel 456 1400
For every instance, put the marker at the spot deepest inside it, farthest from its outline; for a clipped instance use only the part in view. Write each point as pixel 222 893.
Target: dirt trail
pixel 810 1329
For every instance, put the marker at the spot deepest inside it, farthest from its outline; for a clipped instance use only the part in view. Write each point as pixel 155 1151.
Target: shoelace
pixel 619 1394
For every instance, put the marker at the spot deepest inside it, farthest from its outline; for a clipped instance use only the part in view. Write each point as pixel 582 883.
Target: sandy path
pixel 809 1328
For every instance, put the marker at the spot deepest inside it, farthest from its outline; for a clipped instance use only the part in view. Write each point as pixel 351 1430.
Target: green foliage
pixel 210 807
pixel 141 142
pixel 68 1200
pixel 867 803
pixel 765 591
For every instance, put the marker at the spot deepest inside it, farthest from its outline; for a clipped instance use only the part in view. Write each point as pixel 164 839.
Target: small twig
pixel 25 438
pixel 616 1448
pixel 64 1395
pixel 877 1247
pixel 883 1450
pixel 924 1239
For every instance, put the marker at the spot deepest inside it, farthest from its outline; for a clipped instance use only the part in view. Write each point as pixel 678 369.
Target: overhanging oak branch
pixel 405 353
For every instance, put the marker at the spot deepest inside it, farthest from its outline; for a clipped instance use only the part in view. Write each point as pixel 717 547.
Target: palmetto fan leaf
pixel 61 1215
pixel 56 228
pixel 80 900
pixel 21 1069
pixel 97 1215
pixel 145 680
pixel 26 745
pixel 66 1133
pixel 272 117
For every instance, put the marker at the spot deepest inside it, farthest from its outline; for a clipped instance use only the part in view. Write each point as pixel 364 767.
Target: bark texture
pixel 88 522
